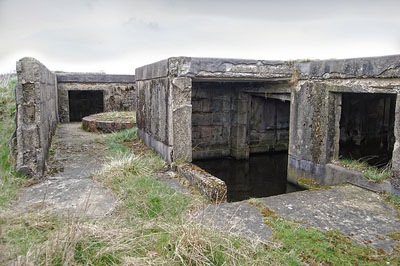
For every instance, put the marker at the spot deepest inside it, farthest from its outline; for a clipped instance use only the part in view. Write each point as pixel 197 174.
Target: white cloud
pixel 118 36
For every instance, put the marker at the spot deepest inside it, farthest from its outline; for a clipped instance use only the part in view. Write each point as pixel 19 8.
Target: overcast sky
pixel 118 36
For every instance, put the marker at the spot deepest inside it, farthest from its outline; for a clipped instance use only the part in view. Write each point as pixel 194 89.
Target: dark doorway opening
pixel 84 103
pixel 367 127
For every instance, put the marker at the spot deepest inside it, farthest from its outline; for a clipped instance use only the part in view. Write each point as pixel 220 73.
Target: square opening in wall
pixel 367 127
pixel 84 103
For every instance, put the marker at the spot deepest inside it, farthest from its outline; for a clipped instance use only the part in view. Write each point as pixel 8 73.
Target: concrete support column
pixel 182 118
pixel 396 150
pixel 239 143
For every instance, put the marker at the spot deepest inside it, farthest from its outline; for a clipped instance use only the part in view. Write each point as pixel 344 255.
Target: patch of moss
pixel 315 247
pixel 394 235
pixel 392 199
pixel 311 184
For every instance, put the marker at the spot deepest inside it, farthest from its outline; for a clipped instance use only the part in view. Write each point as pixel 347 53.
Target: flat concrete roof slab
pixel 361 214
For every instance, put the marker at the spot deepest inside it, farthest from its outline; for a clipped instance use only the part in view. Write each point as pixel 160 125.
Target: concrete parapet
pixel 36 116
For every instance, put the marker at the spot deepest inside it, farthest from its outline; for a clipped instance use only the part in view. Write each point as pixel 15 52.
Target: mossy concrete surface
pixel 358 213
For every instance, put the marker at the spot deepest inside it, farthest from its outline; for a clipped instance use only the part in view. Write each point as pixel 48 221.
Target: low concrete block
pixel 335 174
pixel 210 186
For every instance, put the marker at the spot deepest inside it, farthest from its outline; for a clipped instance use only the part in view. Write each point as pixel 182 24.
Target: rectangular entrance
pixel 367 127
pixel 84 103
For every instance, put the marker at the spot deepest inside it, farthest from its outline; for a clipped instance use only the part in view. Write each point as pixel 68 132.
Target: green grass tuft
pixel 370 172
pixel 315 247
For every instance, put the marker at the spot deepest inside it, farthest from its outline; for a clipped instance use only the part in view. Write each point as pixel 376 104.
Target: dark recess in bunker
pixel 84 103
pixel 269 125
pixel 367 127
pixel 230 118
pixel 262 175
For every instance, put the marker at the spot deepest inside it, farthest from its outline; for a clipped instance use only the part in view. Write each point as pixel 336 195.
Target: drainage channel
pixel 262 175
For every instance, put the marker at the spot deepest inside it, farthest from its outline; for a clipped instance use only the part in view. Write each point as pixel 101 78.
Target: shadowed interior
pixel 84 103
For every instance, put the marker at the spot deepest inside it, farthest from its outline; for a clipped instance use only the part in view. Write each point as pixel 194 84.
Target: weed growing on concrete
pixel 117 140
pixel 116 116
pixel 370 172
pixel 299 243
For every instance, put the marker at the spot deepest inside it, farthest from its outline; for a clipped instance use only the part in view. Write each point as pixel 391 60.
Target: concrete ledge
pixel 210 186
pixel 162 149
pixel 98 126
pixel 94 78
pixel 336 174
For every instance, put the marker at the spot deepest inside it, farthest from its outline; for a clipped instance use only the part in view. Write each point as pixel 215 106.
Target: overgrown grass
pixel 9 180
pixel 370 172
pixel 116 141
pixel 152 226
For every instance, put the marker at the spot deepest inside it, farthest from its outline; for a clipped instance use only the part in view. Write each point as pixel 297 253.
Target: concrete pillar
pixel 239 131
pixel 396 150
pixel 182 118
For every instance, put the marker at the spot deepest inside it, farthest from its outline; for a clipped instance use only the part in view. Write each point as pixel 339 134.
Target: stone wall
pixel 36 116
pixel 119 91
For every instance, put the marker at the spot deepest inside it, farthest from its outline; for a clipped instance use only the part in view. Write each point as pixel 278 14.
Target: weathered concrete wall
pixel 317 103
pixel 164 110
pixel 154 115
pixel 36 116
pixel 211 120
pixel 119 90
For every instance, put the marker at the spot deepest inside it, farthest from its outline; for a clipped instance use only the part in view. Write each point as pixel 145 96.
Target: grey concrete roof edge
pixel 64 77
pixel 194 65
pixel 352 67
pixel 158 69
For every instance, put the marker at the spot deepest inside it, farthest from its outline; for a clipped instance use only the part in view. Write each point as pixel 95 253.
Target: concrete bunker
pixel 93 93
pixel 367 127
pixel 201 110
pixel 45 98
pixel 84 103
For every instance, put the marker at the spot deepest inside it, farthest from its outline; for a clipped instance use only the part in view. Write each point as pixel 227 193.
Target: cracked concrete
pixel 66 187
pixel 361 214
